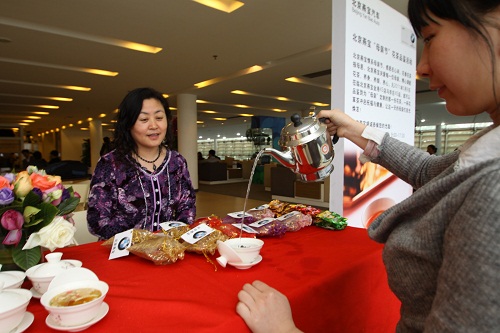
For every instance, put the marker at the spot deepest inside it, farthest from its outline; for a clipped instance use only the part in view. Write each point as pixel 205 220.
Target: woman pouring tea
pixel 442 244
pixel 142 182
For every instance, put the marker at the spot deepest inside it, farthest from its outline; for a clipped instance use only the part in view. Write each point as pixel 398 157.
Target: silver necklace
pixel 153 161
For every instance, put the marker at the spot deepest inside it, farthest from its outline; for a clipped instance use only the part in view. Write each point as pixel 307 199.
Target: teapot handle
pixel 335 138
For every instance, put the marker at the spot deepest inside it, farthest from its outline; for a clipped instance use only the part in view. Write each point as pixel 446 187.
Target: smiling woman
pixel 142 182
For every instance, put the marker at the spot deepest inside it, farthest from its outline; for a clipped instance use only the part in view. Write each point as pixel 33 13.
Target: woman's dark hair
pixel 129 111
pixel 470 13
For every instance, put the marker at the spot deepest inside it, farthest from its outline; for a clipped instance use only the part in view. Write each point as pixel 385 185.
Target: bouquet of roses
pixel 34 212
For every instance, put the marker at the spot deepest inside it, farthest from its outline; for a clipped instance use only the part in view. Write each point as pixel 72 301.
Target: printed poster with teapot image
pixel 373 81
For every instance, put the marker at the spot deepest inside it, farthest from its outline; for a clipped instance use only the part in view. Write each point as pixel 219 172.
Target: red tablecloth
pixel 335 281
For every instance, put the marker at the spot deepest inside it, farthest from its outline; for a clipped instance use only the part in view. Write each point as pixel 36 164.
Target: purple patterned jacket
pixel 123 195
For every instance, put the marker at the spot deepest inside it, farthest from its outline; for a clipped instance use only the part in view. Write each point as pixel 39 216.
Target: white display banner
pixel 373 81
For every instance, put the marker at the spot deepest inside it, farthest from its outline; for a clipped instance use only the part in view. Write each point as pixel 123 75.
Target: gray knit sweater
pixel 442 244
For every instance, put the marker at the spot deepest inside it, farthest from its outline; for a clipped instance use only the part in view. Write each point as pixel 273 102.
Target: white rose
pixel 57 234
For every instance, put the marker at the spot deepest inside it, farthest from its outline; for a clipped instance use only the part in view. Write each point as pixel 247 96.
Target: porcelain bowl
pixel 77 314
pixel 247 249
pixel 13 304
pixel 42 274
pixel 12 279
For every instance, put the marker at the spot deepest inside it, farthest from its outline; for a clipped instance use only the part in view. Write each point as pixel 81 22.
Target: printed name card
pixel 245 228
pixel 121 243
pixel 166 226
pixel 261 207
pixel 197 233
pixel 238 215
pixel 262 222
pixel 288 215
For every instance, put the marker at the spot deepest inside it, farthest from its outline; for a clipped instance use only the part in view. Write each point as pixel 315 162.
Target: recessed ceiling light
pixel 227 6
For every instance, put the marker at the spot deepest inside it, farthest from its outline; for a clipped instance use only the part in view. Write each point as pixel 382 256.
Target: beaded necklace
pixel 153 161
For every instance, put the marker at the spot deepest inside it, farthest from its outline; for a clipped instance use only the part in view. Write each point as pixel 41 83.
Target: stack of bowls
pixel 13 304
pixel 42 274
pixel 70 315
pixel 12 279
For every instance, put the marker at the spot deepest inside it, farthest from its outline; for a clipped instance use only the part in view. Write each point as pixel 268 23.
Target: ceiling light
pixel 308 82
pixel 35 106
pixel 227 6
pixel 422 121
pixel 47 85
pixel 209 111
pixel 59 99
pixel 78 35
pixel 102 115
pixel 44 113
pixel 246 115
pixel 70 68
pixel 279 98
pixel 222 119
pixel 34 117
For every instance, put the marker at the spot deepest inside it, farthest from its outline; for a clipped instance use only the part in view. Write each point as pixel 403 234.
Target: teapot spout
pixel 284 158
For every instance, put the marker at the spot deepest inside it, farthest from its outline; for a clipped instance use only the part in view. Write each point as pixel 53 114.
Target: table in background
pixel 335 281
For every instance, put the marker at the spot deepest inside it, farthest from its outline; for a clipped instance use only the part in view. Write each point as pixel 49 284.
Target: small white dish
pixel 242 265
pixel 27 321
pixel 103 311
pixel 35 293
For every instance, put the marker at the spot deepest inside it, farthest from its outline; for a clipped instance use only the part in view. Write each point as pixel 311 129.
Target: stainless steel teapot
pixel 307 148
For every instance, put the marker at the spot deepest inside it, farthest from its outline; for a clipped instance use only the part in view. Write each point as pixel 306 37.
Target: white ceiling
pixel 288 37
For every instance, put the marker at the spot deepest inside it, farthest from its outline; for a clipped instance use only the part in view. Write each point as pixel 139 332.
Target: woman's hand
pixel 339 123
pixel 264 309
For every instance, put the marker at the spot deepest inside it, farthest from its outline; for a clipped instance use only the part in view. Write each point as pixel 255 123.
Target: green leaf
pixel 68 205
pixel 26 258
pixel 32 199
pixel 43 217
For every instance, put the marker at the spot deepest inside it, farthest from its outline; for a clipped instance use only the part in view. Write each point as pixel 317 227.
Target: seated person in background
pixel 38 161
pixel 142 182
pixel 107 146
pixel 200 156
pixel 431 149
pixel 54 157
pixel 212 157
pixel 25 161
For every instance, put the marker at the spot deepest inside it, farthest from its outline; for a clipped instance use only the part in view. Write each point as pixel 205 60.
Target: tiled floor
pixel 220 205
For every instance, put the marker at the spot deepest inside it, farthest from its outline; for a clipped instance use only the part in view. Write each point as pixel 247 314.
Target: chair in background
pixel 82 188
pixel 82 234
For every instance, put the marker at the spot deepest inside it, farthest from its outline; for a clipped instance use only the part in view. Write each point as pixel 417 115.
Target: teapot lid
pixel 301 130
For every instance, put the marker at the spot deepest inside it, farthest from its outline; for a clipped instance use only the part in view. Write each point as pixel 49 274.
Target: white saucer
pixel 102 312
pixel 35 293
pixel 240 265
pixel 25 323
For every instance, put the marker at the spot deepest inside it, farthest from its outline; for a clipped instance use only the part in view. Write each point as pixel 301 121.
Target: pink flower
pixel 12 220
